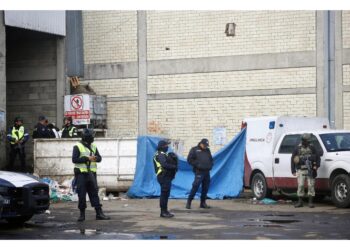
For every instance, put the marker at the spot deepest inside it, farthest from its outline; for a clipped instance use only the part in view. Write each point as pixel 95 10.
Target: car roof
pixel 320 132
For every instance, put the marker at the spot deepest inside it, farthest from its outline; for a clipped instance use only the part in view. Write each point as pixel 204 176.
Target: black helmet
pixel 88 135
pixel 17 119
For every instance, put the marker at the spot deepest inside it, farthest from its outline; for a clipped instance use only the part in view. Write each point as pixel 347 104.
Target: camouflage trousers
pixel 302 175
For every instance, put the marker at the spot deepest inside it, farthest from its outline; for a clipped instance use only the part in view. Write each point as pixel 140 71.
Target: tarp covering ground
pixel 226 175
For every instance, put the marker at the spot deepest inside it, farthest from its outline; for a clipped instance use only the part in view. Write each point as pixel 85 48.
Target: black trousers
pixel 14 151
pixel 87 183
pixel 165 187
pixel 201 178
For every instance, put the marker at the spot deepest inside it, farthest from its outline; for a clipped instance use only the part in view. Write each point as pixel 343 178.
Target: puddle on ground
pixel 264 225
pixel 123 236
pixel 279 215
pixel 275 221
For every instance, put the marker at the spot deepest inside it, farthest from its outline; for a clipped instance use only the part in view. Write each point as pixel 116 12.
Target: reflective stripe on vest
pixel 70 131
pixel 85 152
pixel 20 132
pixel 158 166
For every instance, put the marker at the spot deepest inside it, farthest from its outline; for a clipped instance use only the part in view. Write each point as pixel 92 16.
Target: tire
pixel 340 189
pixel 259 187
pixel 19 220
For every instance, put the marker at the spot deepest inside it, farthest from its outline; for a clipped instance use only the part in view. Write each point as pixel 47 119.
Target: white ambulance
pixel 270 142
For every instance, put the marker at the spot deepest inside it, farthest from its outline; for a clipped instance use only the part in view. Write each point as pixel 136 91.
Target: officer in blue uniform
pixel 17 136
pixel 85 157
pixel 165 167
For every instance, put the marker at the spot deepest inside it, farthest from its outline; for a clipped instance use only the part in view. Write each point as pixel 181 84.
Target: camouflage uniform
pixel 304 159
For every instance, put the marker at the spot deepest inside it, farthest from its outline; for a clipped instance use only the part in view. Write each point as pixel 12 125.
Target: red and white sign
pixel 77 107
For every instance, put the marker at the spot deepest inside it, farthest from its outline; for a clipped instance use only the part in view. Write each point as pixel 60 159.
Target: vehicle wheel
pixel 341 191
pixel 259 187
pixel 19 220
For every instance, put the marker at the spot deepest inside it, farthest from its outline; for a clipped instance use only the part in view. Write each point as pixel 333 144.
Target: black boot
pixel 100 215
pixel 188 204
pixel 82 215
pixel 166 214
pixel 299 203
pixel 311 203
pixel 204 204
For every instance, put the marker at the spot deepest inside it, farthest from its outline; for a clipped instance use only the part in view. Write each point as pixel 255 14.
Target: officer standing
pixel 17 136
pixel 165 166
pixel 305 161
pixel 201 160
pixel 41 130
pixel 69 130
pixel 85 156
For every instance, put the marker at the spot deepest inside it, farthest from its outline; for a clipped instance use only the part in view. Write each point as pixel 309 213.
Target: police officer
pixel 69 130
pixel 85 156
pixel 17 136
pixel 165 167
pixel 202 162
pixel 41 130
pixel 304 164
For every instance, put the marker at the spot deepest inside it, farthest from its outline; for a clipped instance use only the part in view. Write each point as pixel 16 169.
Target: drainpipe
pixel 329 72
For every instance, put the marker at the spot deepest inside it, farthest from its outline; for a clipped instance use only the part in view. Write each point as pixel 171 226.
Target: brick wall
pixel 235 80
pixel 192 119
pixel 114 87
pixel 346 28
pixel 122 119
pixel 346 74
pixel 110 36
pixel 191 34
pixel 346 110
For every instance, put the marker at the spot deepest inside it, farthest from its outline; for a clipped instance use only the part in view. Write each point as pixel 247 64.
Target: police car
pixel 22 196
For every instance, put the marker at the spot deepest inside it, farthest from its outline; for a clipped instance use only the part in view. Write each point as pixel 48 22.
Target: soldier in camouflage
pixel 304 164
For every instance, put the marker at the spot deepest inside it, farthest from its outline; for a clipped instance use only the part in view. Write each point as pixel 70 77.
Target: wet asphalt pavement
pixel 227 219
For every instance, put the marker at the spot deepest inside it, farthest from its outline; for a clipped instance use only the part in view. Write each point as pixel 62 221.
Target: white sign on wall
pixel 77 107
pixel 219 135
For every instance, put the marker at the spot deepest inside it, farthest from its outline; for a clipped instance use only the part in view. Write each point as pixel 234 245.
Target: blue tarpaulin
pixel 226 175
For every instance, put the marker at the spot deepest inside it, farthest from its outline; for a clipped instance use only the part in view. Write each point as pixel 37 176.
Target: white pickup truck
pixel 270 142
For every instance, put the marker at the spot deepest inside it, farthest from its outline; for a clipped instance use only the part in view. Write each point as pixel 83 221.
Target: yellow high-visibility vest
pixel 158 167
pixel 84 151
pixel 20 132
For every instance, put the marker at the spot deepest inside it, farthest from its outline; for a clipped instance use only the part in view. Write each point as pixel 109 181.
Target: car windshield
pixel 336 141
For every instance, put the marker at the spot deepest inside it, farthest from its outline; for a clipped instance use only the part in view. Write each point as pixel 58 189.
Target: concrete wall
pixel 2 87
pixel 31 78
pixel 194 78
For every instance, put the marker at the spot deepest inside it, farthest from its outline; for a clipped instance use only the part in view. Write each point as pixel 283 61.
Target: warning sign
pixel 77 107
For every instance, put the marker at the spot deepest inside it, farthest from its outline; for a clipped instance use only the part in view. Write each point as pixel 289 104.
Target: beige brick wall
pixel 346 110
pixel 346 74
pixel 114 87
pixel 122 119
pixel 193 119
pixel 346 28
pixel 235 80
pixel 110 36
pixel 192 34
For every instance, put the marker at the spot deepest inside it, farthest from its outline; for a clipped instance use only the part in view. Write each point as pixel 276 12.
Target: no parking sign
pixel 77 107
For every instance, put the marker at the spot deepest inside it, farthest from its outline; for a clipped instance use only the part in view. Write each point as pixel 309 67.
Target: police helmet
pixel 306 137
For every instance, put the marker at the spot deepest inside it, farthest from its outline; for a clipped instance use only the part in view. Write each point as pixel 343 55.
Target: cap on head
pixel 18 119
pixel 42 118
pixel 163 143
pixel 68 118
pixel 205 142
